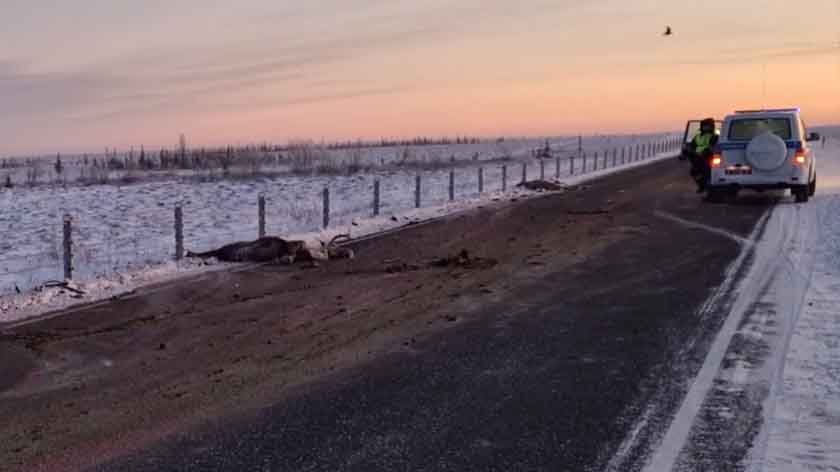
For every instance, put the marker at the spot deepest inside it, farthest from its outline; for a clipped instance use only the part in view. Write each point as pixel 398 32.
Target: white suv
pixel 761 150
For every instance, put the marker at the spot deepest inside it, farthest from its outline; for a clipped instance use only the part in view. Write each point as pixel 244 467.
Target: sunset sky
pixel 80 75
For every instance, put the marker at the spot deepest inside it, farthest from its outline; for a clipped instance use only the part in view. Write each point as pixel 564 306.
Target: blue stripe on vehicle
pixel 739 145
pixel 732 146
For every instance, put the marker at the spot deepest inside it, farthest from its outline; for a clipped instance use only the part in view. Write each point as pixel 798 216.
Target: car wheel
pixel 801 194
pixel 812 187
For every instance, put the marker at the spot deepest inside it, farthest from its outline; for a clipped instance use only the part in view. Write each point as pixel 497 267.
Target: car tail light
pixel 799 158
pixel 717 160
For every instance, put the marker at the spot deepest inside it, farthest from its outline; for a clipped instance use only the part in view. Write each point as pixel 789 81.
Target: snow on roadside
pixel 18 307
pixel 802 429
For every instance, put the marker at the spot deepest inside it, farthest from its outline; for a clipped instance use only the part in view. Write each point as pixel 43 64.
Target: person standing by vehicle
pixel 699 151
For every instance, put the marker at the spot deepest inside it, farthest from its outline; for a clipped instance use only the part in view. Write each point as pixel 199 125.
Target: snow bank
pixel 802 429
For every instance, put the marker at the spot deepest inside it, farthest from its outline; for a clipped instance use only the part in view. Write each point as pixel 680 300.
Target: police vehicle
pixel 763 150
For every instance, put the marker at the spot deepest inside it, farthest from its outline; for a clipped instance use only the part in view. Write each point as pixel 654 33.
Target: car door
pixel 692 127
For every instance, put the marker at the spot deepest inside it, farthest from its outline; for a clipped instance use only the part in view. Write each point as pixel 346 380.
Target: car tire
pixel 801 193
pixel 812 187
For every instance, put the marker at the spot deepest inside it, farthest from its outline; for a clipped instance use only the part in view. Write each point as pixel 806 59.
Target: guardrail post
pixel 68 247
pixel 480 180
pixel 595 162
pixel 326 199
pixel 584 164
pixel 542 169
pixel 451 185
pixel 572 165
pixel 376 197
pixel 524 172
pixel 179 233
pixel 504 178
pixel 417 191
pixel 261 215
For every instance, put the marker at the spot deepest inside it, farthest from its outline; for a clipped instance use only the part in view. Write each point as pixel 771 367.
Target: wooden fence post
pixel 68 247
pixel 451 185
pixel 557 167
pixel 417 191
pixel 584 164
pixel 595 162
pixel 261 215
pixel 179 233
pixel 504 178
pixel 615 157
pixel 326 198
pixel 480 180
pixel 572 165
pixel 542 169
pixel 376 197
pixel 524 172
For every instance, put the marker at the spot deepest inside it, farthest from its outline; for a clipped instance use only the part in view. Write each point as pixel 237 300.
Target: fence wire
pixel 134 228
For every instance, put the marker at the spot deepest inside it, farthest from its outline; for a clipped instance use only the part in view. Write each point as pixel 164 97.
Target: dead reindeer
pixel 274 249
pixel 267 249
pixel 334 251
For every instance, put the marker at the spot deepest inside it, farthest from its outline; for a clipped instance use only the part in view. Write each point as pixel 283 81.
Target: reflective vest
pixel 702 141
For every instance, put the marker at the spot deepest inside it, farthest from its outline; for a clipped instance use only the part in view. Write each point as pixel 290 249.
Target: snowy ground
pixel 803 427
pixel 41 171
pixel 768 395
pixel 123 237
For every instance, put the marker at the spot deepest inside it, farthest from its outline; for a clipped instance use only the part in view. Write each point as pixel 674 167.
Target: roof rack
pixel 771 110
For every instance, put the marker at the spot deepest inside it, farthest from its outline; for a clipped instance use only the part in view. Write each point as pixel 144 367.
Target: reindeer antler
pixel 336 239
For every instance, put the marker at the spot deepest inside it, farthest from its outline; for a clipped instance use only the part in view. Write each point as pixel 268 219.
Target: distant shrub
pixel 356 163
pixel 304 157
pixel 328 167
pixel 33 173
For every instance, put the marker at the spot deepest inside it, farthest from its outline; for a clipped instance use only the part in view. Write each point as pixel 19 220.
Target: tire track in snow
pixel 711 229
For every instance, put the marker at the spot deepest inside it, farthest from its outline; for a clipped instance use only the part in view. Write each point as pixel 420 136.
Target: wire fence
pixel 142 229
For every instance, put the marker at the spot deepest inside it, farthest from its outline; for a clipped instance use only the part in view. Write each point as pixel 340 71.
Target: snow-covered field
pixel 124 236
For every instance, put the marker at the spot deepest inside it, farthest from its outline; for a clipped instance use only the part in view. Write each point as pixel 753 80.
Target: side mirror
pixel 813 137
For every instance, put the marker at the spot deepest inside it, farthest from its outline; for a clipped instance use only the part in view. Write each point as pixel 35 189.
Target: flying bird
pixel 667 31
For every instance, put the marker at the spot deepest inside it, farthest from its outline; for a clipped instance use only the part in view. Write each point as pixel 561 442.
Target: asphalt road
pixel 553 369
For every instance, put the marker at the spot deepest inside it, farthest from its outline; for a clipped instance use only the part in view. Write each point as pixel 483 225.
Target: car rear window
pixel 748 128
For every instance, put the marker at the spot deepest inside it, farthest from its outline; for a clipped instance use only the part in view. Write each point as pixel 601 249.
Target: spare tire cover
pixel 766 152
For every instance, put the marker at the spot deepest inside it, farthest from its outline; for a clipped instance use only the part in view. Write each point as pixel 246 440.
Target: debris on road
pixel 463 259
pixel 542 185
